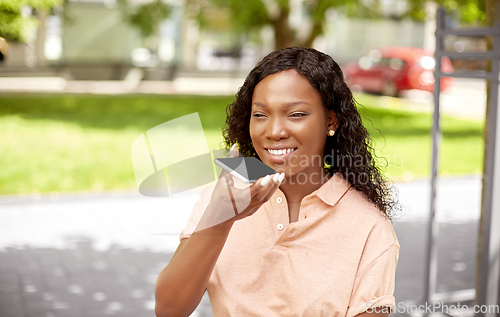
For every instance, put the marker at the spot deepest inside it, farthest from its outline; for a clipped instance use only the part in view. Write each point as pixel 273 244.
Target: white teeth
pixel 279 152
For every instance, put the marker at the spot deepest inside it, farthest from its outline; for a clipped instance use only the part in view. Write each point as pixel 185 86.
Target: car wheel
pixel 389 89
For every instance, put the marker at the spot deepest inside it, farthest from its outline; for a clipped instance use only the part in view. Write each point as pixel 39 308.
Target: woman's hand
pixel 229 203
pixel 181 285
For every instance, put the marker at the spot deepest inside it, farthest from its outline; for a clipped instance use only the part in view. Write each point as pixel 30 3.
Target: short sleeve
pixel 197 213
pixel 374 286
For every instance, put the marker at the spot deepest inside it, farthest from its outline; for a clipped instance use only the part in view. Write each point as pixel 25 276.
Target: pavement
pixel 89 255
pixel 181 85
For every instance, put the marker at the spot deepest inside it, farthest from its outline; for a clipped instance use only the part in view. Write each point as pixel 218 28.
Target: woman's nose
pixel 276 129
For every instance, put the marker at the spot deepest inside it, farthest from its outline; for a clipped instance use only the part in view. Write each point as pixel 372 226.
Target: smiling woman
pixel 288 115
pixel 315 239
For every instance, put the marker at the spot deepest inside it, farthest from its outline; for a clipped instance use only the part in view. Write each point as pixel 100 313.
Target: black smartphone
pixel 246 169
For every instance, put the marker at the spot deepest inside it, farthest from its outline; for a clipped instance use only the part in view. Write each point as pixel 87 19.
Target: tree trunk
pixel 316 30
pixel 282 31
pixel 40 37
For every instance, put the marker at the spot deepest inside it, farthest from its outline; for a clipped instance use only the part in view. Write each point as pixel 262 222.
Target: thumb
pixel 233 152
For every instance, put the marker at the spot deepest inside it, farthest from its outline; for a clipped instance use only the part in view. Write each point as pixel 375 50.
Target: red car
pixel 389 70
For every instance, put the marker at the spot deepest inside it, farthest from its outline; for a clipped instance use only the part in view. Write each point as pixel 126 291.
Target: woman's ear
pixel 332 120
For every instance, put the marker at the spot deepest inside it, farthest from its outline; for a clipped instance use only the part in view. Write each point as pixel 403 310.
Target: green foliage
pixel 254 14
pixel 146 17
pixel 467 11
pixel 362 9
pixel 16 27
pixel 248 15
pixel 244 15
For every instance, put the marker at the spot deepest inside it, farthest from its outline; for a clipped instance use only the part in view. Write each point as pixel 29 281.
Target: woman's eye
pixel 258 115
pixel 298 114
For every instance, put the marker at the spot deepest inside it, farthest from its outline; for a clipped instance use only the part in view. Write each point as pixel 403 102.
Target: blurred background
pixel 81 79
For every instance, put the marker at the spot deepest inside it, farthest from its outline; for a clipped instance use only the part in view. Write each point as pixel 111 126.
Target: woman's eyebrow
pixel 287 104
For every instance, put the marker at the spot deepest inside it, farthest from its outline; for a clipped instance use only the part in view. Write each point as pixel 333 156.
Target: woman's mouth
pixel 280 155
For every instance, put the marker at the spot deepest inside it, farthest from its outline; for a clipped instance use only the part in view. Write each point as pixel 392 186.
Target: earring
pixel 331 132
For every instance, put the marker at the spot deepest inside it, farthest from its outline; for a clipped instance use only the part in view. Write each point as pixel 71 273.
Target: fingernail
pixel 276 177
pixel 232 147
pixel 282 177
pixel 265 180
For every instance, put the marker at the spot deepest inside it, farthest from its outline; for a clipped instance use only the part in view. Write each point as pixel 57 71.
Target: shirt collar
pixel 333 190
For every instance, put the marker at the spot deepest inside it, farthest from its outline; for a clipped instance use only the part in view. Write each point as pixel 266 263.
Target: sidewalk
pixel 181 85
pixel 89 256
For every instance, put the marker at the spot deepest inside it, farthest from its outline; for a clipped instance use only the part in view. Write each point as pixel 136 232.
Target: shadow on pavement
pixel 457 250
pixel 80 281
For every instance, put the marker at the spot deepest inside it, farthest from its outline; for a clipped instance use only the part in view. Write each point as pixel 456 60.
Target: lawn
pixel 62 143
pixel 404 140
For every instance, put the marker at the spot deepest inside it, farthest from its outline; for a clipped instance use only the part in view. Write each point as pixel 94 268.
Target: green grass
pixel 406 142
pixel 82 142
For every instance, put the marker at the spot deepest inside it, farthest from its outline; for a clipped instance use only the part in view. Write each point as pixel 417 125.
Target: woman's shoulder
pixel 340 193
pixel 362 206
pixel 361 213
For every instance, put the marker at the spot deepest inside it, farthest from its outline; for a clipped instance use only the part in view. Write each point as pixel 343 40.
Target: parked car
pixel 390 70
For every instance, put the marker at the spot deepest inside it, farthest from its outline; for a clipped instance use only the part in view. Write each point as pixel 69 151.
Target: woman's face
pixel 288 124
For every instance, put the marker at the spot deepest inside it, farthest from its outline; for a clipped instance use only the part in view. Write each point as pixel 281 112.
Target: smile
pixel 280 152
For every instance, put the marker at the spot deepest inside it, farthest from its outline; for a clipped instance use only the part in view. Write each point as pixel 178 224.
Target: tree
pixel 145 18
pixel 467 11
pixel 16 23
pixel 255 14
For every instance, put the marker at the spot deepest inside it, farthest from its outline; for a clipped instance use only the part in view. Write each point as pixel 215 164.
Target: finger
pixel 252 194
pixel 277 182
pixel 266 183
pixel 230 179
pixel 235 208
pixel 224 174
pixel 234 152
pixel 258 193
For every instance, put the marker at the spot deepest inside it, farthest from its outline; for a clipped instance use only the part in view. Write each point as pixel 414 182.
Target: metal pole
pixel 488 294
pixel 432 233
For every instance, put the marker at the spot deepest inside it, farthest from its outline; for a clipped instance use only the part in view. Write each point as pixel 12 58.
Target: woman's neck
pixel 296 187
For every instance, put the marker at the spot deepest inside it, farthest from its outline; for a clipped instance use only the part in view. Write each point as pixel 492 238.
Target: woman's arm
pixel 181 285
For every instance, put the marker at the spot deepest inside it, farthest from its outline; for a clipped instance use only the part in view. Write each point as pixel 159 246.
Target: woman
pixel 313 240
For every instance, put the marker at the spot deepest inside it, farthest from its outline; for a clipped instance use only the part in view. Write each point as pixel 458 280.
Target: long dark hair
pixel 349 152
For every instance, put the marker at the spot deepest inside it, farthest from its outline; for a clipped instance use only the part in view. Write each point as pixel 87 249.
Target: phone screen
pixel 247 169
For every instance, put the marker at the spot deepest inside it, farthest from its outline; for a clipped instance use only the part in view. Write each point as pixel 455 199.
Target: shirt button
pixel 280 227
pixel 279 200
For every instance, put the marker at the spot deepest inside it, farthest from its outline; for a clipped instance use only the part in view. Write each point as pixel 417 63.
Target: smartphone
pixel 246 169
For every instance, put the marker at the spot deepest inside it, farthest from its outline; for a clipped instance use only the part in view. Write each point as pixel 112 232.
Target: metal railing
pixel 487 292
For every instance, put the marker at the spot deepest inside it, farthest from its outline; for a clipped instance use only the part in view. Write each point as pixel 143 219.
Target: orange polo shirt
pixel 338 259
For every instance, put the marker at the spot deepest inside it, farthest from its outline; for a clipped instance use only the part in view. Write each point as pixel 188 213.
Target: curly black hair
pixel 349 152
